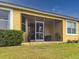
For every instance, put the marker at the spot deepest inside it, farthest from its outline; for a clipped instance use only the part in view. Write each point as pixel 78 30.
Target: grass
pixel 41 51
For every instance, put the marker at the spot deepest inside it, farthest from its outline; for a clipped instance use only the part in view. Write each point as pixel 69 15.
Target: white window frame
pixel 10 17
pixel 67 29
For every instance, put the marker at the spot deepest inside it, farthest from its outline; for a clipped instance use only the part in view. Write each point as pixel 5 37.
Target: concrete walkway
pixel 40 42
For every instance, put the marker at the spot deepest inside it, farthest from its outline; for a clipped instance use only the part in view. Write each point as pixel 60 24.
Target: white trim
pixel 71 34
pixel 76 28
pixel 10 18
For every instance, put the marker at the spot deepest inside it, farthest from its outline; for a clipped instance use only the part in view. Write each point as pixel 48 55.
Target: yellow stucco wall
pixel 16 20
pixel 67 37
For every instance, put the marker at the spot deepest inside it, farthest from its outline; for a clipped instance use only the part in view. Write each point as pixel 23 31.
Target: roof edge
pixel 35 10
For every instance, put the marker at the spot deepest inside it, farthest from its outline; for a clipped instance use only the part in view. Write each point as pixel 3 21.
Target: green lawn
pixel 41 51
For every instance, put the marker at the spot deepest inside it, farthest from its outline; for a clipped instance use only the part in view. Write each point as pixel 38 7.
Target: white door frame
pixel 39 32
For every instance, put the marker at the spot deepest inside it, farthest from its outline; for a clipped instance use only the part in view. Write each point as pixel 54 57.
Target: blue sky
pixel 65 7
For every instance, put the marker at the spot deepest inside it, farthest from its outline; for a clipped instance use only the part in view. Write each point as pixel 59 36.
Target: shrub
pixel 69 41
pixel 10 37
pixel 73 41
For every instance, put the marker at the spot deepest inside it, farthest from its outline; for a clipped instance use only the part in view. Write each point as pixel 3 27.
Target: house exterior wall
pixel 16 20
pixel 67 37
pixel 17 23
pixel 17 26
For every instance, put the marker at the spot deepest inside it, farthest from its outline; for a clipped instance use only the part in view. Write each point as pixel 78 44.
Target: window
pixel 4 19
pixel 23 23
pixel 71 27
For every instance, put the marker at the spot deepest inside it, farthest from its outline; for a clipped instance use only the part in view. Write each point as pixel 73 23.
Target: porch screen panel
pixel 23 23
pixel 4 19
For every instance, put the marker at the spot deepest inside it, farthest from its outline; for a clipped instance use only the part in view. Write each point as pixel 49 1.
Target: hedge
pixel 10 37
pixel 73 41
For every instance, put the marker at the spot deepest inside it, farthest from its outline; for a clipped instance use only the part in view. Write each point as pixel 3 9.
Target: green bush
pixel 10 37
pixel 69 41
pixel 73 41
